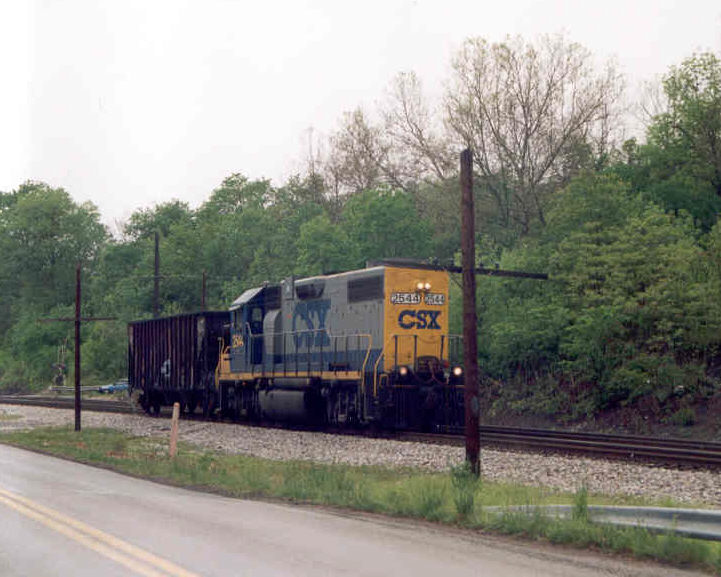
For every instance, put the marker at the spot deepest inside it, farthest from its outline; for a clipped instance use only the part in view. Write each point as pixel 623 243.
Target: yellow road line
pixel 135 558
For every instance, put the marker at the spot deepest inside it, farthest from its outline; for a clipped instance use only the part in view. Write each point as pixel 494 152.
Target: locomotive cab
pixel 249 316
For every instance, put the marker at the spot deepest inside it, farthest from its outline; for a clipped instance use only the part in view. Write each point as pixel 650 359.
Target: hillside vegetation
pixel 629 324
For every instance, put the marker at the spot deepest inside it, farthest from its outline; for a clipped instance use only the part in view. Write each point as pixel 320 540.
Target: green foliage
pixel 324 247
pixel 385 224
pixel 684 417
pixel 144 223
pixel 679 167
pixel 43 235
pixel 464 484
pixel 627 315
pixel 580 505
pixel 692 124
pixel 236 194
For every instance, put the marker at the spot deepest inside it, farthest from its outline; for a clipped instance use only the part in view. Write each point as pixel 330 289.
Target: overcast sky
pixel 127 103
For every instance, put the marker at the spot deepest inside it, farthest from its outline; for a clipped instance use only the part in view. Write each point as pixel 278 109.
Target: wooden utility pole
pixel 470 321
pixel 470 317
pixel 203 295
pixel 77 346
pixel 156 278
pixel 77 320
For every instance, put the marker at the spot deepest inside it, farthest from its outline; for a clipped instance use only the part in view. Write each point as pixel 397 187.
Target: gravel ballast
pixel 561 472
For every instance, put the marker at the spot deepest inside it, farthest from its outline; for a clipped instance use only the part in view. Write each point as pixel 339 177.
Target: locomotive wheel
pixel 191 406
pixel 208 406
pixel 143 403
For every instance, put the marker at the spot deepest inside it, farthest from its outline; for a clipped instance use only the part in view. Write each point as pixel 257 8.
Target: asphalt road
pixel 62 518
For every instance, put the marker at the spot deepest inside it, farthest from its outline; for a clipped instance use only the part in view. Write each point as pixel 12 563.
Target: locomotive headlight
pixel 427 286
pixel 420 286
pixel 403 371
pixel 457 371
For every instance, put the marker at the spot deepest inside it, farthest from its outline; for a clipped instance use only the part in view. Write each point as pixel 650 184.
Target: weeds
pixel 580 505
pixel 464 484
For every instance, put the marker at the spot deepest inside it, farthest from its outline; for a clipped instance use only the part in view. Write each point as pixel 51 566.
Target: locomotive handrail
pixel 363 372
pixel 223 351
pixel 253 337
pixel 378 362
pixel 395 337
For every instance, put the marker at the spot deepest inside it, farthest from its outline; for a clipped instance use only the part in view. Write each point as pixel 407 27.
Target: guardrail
pixel 71 389
pixel 694 523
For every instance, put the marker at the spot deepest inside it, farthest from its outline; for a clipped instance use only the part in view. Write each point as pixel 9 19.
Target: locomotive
pixel 368 346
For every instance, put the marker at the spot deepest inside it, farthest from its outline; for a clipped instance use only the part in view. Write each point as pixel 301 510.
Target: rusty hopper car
pixel 173 359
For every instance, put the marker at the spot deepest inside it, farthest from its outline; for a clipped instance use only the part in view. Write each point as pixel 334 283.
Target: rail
pixel 625 447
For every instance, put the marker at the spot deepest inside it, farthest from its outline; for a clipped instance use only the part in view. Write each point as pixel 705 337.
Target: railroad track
pixel 626 447
pixel 104 405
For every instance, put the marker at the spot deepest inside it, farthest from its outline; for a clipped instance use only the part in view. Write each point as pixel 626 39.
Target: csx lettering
pixel 409 319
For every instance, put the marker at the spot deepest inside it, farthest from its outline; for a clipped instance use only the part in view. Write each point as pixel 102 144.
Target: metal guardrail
pixel 71 389
pixel 694 523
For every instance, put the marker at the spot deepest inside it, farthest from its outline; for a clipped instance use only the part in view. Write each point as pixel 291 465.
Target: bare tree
pixel 533 114
pixel 419 148
pixel 358 158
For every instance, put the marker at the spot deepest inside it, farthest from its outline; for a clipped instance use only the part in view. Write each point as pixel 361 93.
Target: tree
pixel 421 151
pixel 403 149
pixel 629 310
pixel 533 114
pixel 145 222
pixel 384 223
pixel 43 234
pixel 324 247
pixel 359 155
pixel 691 127
pixel 236 193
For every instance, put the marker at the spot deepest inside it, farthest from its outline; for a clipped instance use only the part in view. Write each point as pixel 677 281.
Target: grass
pixel 457 498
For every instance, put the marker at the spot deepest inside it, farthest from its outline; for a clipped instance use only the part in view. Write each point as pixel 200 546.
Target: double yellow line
pixel 134 558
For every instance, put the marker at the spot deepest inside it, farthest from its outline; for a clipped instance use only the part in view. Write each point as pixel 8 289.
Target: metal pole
pixel 77 347
pixel 156 278
pixel 470 321
pixel 203 294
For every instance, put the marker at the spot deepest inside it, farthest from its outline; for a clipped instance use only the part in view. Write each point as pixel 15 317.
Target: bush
pixel 464 484
pixel 580 505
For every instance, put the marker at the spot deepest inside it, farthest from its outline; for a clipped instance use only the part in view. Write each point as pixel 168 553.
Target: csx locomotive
pixel 359 347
